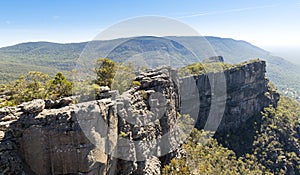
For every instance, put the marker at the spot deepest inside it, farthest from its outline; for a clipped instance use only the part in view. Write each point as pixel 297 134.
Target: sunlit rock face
pixel 128 133
pixel 247 93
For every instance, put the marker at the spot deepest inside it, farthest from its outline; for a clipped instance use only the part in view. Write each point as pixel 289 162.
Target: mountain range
pixel 53 57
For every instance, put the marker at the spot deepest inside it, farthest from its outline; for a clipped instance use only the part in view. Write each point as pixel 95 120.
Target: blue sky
pixel 264 23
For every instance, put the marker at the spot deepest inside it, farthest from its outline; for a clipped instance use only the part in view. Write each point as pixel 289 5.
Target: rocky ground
pixel 132 133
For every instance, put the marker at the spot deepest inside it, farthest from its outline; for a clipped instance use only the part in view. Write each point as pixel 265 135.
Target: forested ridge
pixel 50 58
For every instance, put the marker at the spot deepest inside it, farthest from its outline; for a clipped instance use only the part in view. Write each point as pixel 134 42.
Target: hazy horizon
pixel 269 24
pixel 290 53
pixel 257 22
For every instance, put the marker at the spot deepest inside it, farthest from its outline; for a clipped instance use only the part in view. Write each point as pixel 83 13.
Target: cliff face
pixel 247 93
pixel 51 141
pixel 147 115
pixel 128 134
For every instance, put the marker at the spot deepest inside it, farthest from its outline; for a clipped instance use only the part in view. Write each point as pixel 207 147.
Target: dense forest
pixel 273 139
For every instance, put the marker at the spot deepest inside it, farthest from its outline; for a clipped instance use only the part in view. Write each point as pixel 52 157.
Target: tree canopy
pixel 37 85
pixel 105 70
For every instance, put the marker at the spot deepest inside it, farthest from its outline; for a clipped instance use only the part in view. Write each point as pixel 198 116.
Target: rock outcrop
pixel 51 141
pixel 214 59
pixel 147 114
pixel 247 94
pixel 132 133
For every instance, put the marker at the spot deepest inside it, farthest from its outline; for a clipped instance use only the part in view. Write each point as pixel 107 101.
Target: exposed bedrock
pixel 132 133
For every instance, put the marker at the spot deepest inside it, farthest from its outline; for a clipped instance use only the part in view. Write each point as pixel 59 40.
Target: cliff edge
pixel 128 133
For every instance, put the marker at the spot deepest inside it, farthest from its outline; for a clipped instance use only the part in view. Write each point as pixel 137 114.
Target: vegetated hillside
pixel 37 56
pixel 156 51
pixel 267 144
pixel 11 71
pixel 281 72
pixel 64 56
pixel 42 54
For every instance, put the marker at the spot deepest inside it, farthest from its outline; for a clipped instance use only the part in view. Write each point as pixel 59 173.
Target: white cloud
pixel 228 11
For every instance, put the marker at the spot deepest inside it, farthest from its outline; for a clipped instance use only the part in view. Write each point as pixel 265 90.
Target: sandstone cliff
pixel 132 133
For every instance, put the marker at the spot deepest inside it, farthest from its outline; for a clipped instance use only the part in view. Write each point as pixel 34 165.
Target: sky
pixel 265 23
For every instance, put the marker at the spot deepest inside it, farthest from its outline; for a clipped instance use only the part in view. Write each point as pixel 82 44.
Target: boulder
pixel 34 106
pixel 214 59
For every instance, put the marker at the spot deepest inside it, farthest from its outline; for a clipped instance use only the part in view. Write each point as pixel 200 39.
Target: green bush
pixel 135 84
pixel 105 70
pixel 29 87
pixel 123 134
pixel 59 87
pixel 37 85
pixel 277 139
pixel 205 155
pixel 124 78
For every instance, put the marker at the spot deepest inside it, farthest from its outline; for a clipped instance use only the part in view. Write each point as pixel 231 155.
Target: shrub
pixel 59 87
pixel 105 70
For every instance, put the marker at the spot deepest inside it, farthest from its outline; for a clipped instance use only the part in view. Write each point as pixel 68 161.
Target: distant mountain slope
pixel 280 71
pixel 52 56
pixel 43 54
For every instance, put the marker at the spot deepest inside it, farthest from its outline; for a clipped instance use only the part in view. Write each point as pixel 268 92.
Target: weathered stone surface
pixel 52 141
pixel 152 166
pixel 146 115
pixel 246 95
pixel 104 89
pixel 34 106
pixel 10 160
pixel 214 59
pixel 66 101
pixel 123 134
